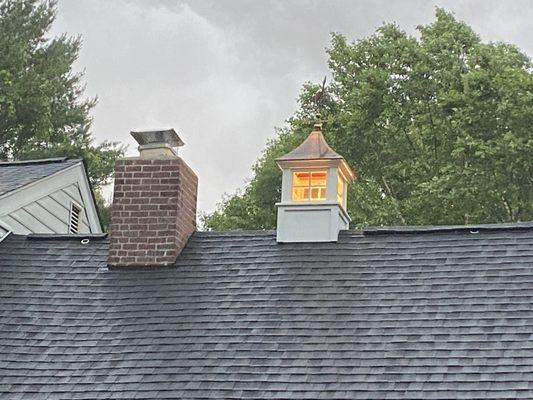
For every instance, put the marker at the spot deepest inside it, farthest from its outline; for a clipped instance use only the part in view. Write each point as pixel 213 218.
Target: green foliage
pixel 103 209
pixel 437 128
pixel 42 113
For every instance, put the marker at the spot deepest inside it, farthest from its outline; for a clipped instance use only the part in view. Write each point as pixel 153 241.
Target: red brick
pixel 151 168
pixel 154 212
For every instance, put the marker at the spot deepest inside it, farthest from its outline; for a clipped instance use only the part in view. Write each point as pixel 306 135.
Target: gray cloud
pixel 225 73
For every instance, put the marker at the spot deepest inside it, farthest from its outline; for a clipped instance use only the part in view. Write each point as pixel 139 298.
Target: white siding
pixel 64 197
pixel 15 225
pixel 49 214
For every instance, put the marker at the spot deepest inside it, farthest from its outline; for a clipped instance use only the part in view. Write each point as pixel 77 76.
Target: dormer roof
pixel 15 174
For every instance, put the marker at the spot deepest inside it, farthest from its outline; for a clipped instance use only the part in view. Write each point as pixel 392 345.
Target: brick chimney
pixel 154 203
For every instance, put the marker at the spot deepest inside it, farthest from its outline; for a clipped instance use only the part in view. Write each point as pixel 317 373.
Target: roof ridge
pixel 243 232
pixel 63 236
pixel 379 230
pixel 373 230
pixel 38 161
pixel 473 228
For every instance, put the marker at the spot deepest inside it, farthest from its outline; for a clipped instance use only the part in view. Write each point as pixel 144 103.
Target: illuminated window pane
pixel 340 191
pixel 309 186
pixel 318 179
pixel 318 193
pixel 300 179
pixel 298 194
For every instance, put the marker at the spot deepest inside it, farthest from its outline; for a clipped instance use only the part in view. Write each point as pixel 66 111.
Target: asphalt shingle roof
pixel 386 314
pixel 14 175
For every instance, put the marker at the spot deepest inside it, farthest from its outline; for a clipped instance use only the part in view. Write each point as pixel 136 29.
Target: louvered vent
pixel 75 211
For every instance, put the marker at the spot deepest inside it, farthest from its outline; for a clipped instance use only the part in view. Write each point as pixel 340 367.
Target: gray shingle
pixel 14 175
pixel 396 313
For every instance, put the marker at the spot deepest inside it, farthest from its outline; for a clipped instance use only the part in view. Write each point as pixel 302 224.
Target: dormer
pixel 314 189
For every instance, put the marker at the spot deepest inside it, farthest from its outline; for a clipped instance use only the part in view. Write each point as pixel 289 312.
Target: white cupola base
pixel 311 223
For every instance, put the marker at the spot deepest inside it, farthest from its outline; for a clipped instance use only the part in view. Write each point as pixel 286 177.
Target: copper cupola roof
pixel 315 149
pixel 312 148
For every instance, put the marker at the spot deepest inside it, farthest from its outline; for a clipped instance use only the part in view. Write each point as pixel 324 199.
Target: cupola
pixel 314 189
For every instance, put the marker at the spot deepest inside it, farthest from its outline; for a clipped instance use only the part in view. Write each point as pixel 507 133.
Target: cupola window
pixel 341 187
pixel 309 185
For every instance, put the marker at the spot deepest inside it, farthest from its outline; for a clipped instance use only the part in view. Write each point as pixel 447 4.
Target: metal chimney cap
pixel 151 137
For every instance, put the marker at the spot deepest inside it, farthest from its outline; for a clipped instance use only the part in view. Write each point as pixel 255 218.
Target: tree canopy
pixel 42 109
pixel 438 128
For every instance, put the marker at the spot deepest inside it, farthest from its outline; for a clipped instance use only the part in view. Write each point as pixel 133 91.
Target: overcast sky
pixel 225 73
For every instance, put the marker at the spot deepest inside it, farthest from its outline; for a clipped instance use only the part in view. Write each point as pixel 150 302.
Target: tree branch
pixel 432 130
pixel 508 208
pixel 392 195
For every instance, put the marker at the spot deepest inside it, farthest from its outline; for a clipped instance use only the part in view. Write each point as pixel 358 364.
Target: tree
pixel 42 112
pixel 439 130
